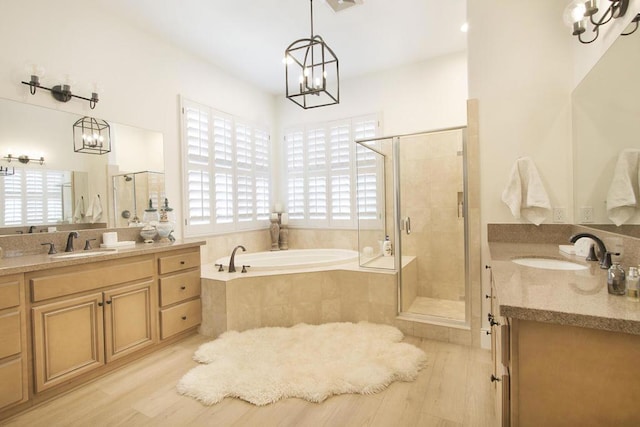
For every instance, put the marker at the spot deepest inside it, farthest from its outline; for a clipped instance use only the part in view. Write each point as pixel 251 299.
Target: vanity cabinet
pixel 501 358
pixel 180 304
pixel 13 342
pixel 86 317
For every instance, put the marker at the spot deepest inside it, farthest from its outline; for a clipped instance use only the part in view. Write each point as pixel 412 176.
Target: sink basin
pixel 82 254
pixel 549 263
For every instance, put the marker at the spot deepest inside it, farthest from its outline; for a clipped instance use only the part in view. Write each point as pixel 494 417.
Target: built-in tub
pixel 293 259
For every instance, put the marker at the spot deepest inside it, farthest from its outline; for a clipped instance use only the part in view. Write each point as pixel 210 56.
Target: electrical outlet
pixel 559 215
pixel 586 214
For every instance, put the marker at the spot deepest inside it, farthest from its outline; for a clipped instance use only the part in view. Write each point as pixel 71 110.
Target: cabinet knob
pixel 181 262
pixel 487 296
pixel 488 332
pixel 183 287
pixel 494 378
pixel 108 302
pixel 100 304
pixel 184 317
pixel 487 266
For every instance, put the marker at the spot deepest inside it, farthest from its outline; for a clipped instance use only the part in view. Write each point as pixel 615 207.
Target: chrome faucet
pixel 232 265
pixel 605 260
pixel 72 235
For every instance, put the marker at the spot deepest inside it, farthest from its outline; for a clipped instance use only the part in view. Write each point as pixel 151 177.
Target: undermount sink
pixel 549 263
pixel 82 254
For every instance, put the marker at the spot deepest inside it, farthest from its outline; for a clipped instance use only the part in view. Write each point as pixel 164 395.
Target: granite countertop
pixel 576 298
pixel 27 263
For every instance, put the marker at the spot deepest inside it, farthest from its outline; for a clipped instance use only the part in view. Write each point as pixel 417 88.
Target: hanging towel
pixel 623 195
pixel 78 213
pixel 525 194
pixel 95 209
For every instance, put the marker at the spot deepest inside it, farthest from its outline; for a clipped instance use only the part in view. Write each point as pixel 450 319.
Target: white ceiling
pixel 247 38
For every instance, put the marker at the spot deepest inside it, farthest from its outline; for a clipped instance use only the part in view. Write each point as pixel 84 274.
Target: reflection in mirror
pixel 65 188
pixel 132 193
pixel 606 114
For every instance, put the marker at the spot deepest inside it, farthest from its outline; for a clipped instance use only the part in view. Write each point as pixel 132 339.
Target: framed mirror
pixel 66 187
pixel 606 121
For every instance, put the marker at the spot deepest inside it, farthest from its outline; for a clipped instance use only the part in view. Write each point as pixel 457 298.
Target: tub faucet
pixel 72 235
pixel 605 260
pixel 232 265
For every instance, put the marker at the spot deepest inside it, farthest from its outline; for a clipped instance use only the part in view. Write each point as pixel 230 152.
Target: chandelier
pixel 311 72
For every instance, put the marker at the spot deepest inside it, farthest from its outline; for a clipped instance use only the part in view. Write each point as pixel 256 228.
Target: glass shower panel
pixel 432 224
pixel 371 203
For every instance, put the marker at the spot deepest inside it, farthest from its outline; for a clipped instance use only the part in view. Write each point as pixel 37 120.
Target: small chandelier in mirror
pixel 311 72
pixel 92 136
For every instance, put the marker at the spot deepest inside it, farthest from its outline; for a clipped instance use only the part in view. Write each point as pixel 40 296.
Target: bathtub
pixel 293 259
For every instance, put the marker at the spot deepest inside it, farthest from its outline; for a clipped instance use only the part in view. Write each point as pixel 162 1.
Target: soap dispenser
pixel 387 249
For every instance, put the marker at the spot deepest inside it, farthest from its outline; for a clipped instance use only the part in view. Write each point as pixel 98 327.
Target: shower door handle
pixel 407 225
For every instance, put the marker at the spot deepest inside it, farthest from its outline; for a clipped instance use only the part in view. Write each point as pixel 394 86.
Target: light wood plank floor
pixel 452 390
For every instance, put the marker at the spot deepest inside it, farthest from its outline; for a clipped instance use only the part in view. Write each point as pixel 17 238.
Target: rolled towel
pixel 525 194
pixel 623 195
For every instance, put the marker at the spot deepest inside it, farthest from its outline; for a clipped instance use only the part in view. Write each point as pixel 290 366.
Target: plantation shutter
pixel 340 142
pixel 33 196
pixel 294 155
pixel 370 171
pixel 317 194
pixel 227 171
pixel 198 150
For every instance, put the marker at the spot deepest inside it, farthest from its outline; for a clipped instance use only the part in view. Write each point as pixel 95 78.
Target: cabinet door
pixel 11 384
pixel 129 321
pixel 68 339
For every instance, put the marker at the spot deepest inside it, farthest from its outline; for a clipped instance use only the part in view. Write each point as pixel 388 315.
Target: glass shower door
pixel 432 226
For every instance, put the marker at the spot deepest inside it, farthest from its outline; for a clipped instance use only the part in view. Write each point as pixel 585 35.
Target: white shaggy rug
pixel 310 362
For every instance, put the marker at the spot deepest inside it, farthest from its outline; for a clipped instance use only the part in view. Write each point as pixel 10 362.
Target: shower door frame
pixel 395 141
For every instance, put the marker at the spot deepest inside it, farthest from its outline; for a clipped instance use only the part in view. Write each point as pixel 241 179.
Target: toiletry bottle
pixel 387 249
pixel 633 281
pixel 616 279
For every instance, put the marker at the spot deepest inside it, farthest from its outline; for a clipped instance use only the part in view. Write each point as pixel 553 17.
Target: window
pixel 320 173
pixel 33 196
pixel 226 171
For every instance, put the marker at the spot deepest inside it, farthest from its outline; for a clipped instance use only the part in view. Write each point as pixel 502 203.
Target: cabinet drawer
pixel 179 287
pixel 169 264
pixel 93 277
pixel 9 294
pixel 180 318
pixel 11 390
pixel 10 334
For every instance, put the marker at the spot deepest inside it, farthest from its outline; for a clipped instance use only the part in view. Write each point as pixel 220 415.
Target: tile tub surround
pixel 574 298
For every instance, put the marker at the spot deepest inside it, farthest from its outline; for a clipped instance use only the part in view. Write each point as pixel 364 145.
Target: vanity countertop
pixel 27 263
pixel 576 298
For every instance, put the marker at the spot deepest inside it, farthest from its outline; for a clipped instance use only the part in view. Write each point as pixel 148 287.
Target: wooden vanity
pixel 565 351
pixel 66 321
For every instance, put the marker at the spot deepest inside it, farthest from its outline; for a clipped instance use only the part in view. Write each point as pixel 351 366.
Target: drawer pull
pixel 181 262
pixel 183 287
pixel 184 317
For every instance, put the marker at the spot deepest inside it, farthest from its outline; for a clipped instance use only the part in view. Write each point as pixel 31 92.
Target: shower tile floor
pixel 438 307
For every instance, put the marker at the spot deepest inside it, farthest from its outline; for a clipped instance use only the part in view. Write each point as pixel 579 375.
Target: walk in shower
pixel 131 195
pixel 413 189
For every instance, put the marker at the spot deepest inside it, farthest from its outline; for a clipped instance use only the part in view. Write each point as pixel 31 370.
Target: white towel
pixel 623 195
pixel 78 213
pixel 525 194
pixel 95 209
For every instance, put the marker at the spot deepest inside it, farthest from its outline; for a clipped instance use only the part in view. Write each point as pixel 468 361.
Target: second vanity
pixel 64 321
pixel 565 351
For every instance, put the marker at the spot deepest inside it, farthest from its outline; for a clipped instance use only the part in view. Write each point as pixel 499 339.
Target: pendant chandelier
pixel 311 71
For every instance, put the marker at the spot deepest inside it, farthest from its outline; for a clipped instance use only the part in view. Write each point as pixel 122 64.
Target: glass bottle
pixel 633 283
pixel 616 279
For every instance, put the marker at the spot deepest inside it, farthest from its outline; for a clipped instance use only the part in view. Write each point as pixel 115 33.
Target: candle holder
pixel 284 237
pixel 274 230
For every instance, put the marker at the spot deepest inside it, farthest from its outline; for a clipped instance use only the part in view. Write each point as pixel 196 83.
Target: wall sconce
pixel 24 159
pixel 61 93
pixel 91 136
pixel 4 171
pixel 578 12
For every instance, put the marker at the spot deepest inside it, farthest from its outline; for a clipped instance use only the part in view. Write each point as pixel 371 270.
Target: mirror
pixel 605 119
pixel 71 185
